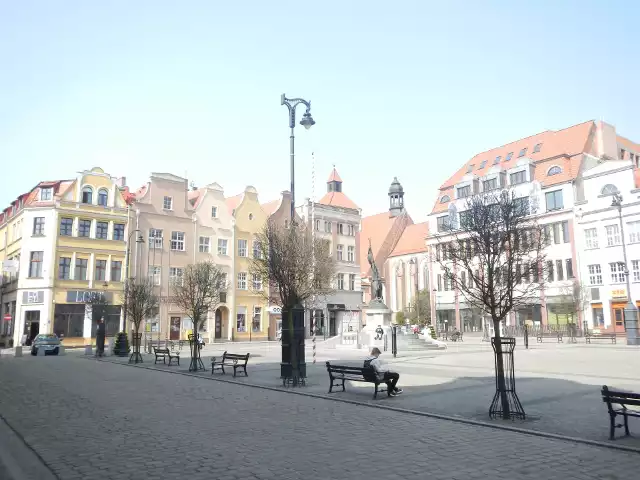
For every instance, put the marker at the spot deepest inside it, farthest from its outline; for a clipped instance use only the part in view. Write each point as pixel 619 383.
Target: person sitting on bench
pixel 384 374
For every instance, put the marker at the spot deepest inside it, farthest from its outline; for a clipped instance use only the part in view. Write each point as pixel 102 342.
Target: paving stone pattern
pixel 93 419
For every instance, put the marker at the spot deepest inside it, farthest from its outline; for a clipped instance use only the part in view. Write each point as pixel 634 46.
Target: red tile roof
pixel 334 177
pixel 337 199
pixel 376 228
pixel 412 240
pixel 271 207
pixel 233 202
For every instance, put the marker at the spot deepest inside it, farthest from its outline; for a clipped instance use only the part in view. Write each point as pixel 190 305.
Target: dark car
pixel 49 342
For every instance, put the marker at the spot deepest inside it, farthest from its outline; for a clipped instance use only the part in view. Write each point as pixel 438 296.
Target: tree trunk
pixel 502 384
pixel 293 349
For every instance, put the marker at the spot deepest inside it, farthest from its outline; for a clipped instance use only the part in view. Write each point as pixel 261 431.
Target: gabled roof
pixel 376 228
pixel 337 199
pixel 271 207
pixel 233 202
pixel 195 197
pixel 412 240
pixel 334 177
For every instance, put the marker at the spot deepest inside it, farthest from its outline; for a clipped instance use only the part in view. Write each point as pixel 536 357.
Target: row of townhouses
pixel 66 241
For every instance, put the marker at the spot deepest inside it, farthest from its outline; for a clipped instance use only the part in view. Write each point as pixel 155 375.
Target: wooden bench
pixel 541 335
pixel 230 360
pixel 456 336
pixel 164 353
pixel 341 373
pixel 617 404
pixel 600 336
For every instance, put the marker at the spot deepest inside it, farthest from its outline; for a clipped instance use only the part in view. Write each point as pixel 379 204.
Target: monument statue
pixel 376 283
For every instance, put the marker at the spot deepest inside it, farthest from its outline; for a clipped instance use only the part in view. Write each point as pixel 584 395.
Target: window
pixel 565 232
pixel 257 249
pixel 327 227
pixel 256 321
pixel 257 282
pixel 535 272
pixel 177 241
pixel 242 281
pixel 556 233
pixel 508 157
pixel 439 282
pixel 66 227
pixel 465 219
pixel 241 320
pixel 38 226
pixel 523 152
pixel 87 195
pixel 339 250
pixel 463 192
pixel 537 148
pixel 222 246
pixel 35 265
pixel 341 228
pixel 591 237
pixel 116 271
pixel 64 268
pixel 443 223
pixel 613 235
pixel 224 282
pixel 635 266
pixel 352 230
pixel 101 270
pixel 214 212
pixel 45 194
pixel 205 245
pixel 489 185
pixel 555 170
pixel 155 238
pixel 559 271
pixel 102 230
pixel 242 248
pixel 81 269
pixel 617 272
pixel 554 200
pixel 352 282
pixel 569 267
pixel 176 276
pixel 496 161
pixel 445 199
pixel 634 231
pixel 340 278
pixel 317 225
pixel 550 270
pixel 521 206
pixel 118 231
pixel 469 168
pixel 155 275
pixel 351 254
pixel 595 275
pixel 103 197
pixel 517 178
pixel 482 164
pixel 84 228
pixel 167 203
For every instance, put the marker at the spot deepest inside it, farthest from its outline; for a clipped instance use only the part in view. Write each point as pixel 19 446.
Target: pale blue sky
pixel 410 89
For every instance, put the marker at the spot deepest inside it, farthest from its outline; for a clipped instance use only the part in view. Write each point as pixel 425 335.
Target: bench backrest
pixel 620 397
pixel 235 356
pixel 368 373
pixel 160 350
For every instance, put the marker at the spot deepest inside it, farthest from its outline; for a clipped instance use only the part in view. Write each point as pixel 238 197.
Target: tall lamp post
pixel 307 122
pixel 630 311
pixel 126 269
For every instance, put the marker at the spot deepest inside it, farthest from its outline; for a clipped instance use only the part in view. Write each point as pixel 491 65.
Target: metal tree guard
pixel 196 362
pixel 508 345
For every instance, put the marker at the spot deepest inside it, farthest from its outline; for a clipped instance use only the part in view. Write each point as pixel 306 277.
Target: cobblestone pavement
pixel 93 419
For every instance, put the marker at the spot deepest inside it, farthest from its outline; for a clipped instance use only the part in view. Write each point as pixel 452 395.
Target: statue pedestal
pixel 376 314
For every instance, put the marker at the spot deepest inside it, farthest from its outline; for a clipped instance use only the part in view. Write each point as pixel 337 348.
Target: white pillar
pixel 87 321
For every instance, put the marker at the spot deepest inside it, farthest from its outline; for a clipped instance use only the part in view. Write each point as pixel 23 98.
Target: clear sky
pixel 411 89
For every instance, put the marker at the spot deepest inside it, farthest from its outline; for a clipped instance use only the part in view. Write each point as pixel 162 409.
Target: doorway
pixel 174 333
pixel 32 325
pixel 333 330
pixel 617 318
pixel 218 331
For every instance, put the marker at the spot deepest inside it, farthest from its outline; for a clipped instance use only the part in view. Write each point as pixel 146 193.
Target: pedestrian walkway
pixel 90 418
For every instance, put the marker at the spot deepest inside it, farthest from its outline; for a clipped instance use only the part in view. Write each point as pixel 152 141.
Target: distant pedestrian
pixel 384 374
pixel 379 333
pixel 100 337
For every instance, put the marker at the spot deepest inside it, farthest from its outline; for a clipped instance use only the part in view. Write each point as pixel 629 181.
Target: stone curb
pixel 466 421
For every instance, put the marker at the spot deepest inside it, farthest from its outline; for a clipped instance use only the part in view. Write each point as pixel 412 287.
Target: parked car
pixel 49 342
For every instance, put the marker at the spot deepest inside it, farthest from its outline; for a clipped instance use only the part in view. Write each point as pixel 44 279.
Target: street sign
pixel 7 317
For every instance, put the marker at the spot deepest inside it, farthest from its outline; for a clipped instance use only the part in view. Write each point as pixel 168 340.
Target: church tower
pixel 396 198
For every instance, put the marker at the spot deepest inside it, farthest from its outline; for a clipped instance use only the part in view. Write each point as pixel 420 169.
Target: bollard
pixel 41 352
pixel 394 341
pixel 61 350
pixel 88 350
pixel 18 351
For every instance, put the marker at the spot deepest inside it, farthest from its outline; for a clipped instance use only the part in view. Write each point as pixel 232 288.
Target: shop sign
pixel 274 310
pixel 619 293
pixel 82 296
pixel 32 297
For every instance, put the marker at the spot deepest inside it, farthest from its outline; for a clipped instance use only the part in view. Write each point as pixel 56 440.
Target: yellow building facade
pixel 251 320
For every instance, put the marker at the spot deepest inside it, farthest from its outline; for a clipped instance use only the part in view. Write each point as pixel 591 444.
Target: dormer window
pixel 214 212
pixel 523 152
pixel 469 168
pixel 482 165
pixel 87 195
pixel 555 170
pixel 537 148
pixel 46 194
pixel 103 197
pixel 445 199
pixel 508 157
pixel 167 203
pixel 497 160
pixel 464 192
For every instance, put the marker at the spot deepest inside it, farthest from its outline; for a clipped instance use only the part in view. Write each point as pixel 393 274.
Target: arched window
pixel 555 170
pixel 445 199
pixel 103 197
pixel 609 189
pixel 87 195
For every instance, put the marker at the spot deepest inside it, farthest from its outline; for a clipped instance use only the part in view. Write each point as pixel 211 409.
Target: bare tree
pixel 298 269
pixel 197 293
pixel 576 298
pixel 140 303
pixel 495 259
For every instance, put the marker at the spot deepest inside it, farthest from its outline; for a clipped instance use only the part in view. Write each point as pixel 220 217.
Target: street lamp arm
pixel 291 104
